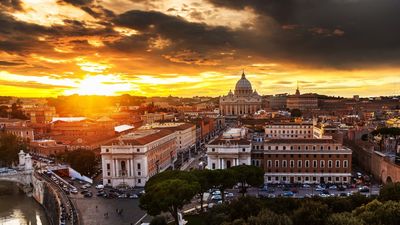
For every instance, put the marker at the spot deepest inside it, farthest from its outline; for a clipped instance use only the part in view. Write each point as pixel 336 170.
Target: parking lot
pixel 107 205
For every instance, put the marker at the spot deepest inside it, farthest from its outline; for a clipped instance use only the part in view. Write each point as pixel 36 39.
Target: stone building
pixel 134 158
pixel 244 101
pixel 232 148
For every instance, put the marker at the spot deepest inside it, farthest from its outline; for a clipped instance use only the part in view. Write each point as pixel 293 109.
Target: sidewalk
pixel 187 164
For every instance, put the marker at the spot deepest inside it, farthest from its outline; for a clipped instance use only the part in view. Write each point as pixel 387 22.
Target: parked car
pixel 88 195
pixel 363 189
pixel 288 194
pixel 99 186
pixel 134 196
pixel 333 187
pixel 216 197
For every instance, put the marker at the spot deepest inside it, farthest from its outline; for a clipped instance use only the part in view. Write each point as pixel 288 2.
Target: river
pixel 18 209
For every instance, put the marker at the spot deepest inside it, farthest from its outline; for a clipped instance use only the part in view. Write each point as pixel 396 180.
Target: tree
pixel 295 113
pixel 311 212
pixel 244 207
pixel 10 145
pixel 203 178
pixel 3 111
pixel 248 175
pixel 267 217
pixel 168 196
pixel 344 219
pixel 158 220
pixel 222 179
pixel 390 191
pixel 82 160
pixel 16 111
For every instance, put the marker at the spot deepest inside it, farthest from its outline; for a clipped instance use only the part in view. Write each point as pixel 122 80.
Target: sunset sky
pixel 198 47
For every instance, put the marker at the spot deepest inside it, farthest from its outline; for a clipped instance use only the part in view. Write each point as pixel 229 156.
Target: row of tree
pixel 170 190
pixel 354 210
pixel 13 112
pixel 82 160
pixel 10 145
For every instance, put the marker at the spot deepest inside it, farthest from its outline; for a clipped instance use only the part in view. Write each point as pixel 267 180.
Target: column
pixel 117 166
pixel 132 168
pixel 219 163
pixel 222 163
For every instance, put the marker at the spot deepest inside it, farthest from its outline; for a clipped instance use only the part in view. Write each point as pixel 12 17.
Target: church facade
pixel 244 101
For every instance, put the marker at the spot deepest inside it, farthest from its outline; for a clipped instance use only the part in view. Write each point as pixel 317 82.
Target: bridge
pixel 22 174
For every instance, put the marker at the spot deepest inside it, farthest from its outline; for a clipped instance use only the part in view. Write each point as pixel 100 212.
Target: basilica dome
pixel 243 86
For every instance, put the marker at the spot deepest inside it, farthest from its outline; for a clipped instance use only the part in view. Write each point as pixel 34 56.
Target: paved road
pixel 93 211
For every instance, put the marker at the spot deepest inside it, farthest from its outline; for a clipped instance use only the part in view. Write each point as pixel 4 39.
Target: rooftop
pixel 300 141
pixel 142 137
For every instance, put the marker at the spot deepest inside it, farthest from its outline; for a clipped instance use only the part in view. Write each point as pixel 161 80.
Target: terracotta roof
pixel 300 141
pixel 222 141
pixel 180 127
pixel 144 140
pixel 289 123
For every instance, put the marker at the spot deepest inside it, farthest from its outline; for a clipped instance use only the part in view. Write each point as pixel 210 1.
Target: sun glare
pixel 100 85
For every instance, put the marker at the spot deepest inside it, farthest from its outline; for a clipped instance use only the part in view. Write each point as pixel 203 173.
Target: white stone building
pixel 185 133
pixel 244 101
pixel 230 149
pixel 134 158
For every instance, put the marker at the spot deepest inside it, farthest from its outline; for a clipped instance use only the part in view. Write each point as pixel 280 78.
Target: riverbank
pixel 17 208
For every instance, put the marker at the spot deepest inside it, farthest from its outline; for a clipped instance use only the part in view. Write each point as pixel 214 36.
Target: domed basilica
pixel 244 101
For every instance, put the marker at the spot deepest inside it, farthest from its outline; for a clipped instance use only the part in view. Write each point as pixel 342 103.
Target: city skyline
pixel 198 48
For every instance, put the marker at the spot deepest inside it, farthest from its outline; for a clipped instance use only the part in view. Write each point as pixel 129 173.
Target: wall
pixel 376 163
pixel 48 198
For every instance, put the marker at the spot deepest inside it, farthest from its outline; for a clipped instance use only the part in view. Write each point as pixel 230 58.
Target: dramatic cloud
pixel 199 47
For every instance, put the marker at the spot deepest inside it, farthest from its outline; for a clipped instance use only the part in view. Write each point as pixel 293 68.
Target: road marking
pixel 140 220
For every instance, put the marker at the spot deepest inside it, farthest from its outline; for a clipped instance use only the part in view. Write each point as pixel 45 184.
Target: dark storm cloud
pixel 176 28
pixel 338 33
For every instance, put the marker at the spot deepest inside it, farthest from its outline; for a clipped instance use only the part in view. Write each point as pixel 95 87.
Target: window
pixel 322 163
pixel 108 173
pixel 269 147
pixel 138 166
pixel 345 163
pixel 315 163
pixel 307 163
pixel 108 166
pixel 109 181
pixel 213 166
pixel 243 149
pixel 337 163
pixel 276 163
pixel 138 150
pixel 139 181
pixel 291 163
pixel 139 173
pixel 299 163
pixel 330 164
pixel 269 163
pixel 284 163
pixel 107 150
pixel 213 149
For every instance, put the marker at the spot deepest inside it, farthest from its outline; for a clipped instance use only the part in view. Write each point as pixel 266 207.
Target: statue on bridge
pixel 25 161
